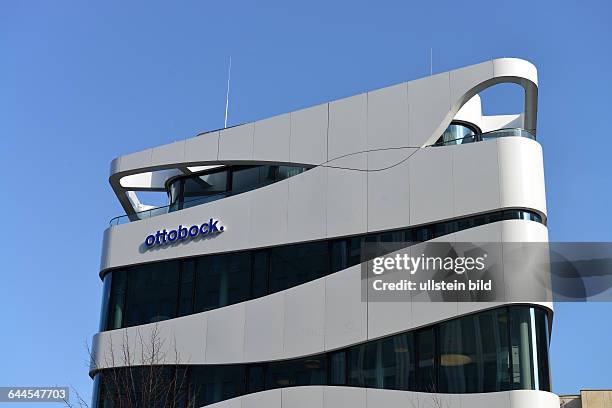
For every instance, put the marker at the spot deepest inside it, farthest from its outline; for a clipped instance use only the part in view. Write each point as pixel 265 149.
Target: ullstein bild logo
pixel 165 237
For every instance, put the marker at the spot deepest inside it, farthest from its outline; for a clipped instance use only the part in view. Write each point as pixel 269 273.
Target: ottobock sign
pixel 183 233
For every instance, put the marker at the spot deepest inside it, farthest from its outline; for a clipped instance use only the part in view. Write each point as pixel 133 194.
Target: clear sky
pixel 81 83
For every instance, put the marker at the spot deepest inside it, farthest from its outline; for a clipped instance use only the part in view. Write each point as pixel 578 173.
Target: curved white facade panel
pixel 330 177
pixel 421 186
pixel 334 397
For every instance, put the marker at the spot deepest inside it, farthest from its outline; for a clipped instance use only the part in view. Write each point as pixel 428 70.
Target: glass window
pixel 175 193
pixel 396 362
pixel 529 356
pixel 106 294
pixel 522 370
pixel 222 280
pixel 261 267
pixel 474 353
pixel 304 371
pixel 256 380
pixel 492 330
pixel 362 365
pixel 151 293
pixel 284 172
pixel 185 303
pixel 354 255
pixel 296 264
pixel 337 367
pixel 457 133
pixel 268 175
pixel 117 300
pixel 217 383
pixel 426 378
pixel 459 363
pixel 197 190
pixel 339 255
pixel 245 179
pixel 542 345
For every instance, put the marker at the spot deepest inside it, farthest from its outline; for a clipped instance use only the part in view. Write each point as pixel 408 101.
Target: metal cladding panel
pixel 340 397
pixel 169 154
pixel 431 185
pixel 265 399
pixel 271 139
pixel 307 206
pixel 309 135
pixel 346 201
pixel 203 148
pixel 269 215
pixel 236 143
pixel 303 397
pixel 334 397
pixel 305 319
pixel 475 177
pixel 429 105
pixel 225 335
pixel 388 117
pixel 345 314
pixel 388 189
pixel 265 328
pixel 347 126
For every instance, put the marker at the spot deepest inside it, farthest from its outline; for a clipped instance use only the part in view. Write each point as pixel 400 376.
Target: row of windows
pixel 200 188
pixel 163 290
pixel 496 350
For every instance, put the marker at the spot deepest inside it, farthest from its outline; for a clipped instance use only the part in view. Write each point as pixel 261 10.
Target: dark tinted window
pixel 396 362
pixel 293 265
pixel 304 371
pixel 337 367
pixel 256 378
pixel 151 293
pixel 203 187
pixel 245 179
pixel 222 280
pixel 186 288
pixel 426 378
pixel 461 356
pixel 106 294
pixel 217 383
pixel 261 270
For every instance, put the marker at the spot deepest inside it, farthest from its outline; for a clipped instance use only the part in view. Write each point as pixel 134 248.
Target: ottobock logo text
pixel 182 233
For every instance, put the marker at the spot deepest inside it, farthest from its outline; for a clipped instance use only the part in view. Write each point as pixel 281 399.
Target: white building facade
pixel 251 276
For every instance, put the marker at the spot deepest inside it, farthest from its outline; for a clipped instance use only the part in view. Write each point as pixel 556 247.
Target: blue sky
pixel 81 83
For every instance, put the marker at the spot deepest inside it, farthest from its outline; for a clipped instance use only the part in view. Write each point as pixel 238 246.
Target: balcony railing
pixel 153 212
pixel 495 134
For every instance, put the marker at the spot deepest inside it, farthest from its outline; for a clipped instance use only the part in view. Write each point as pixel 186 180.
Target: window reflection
pixel 458 133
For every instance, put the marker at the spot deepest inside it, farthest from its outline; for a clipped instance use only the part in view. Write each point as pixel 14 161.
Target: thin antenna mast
pixel 431 61
pixel 229 76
